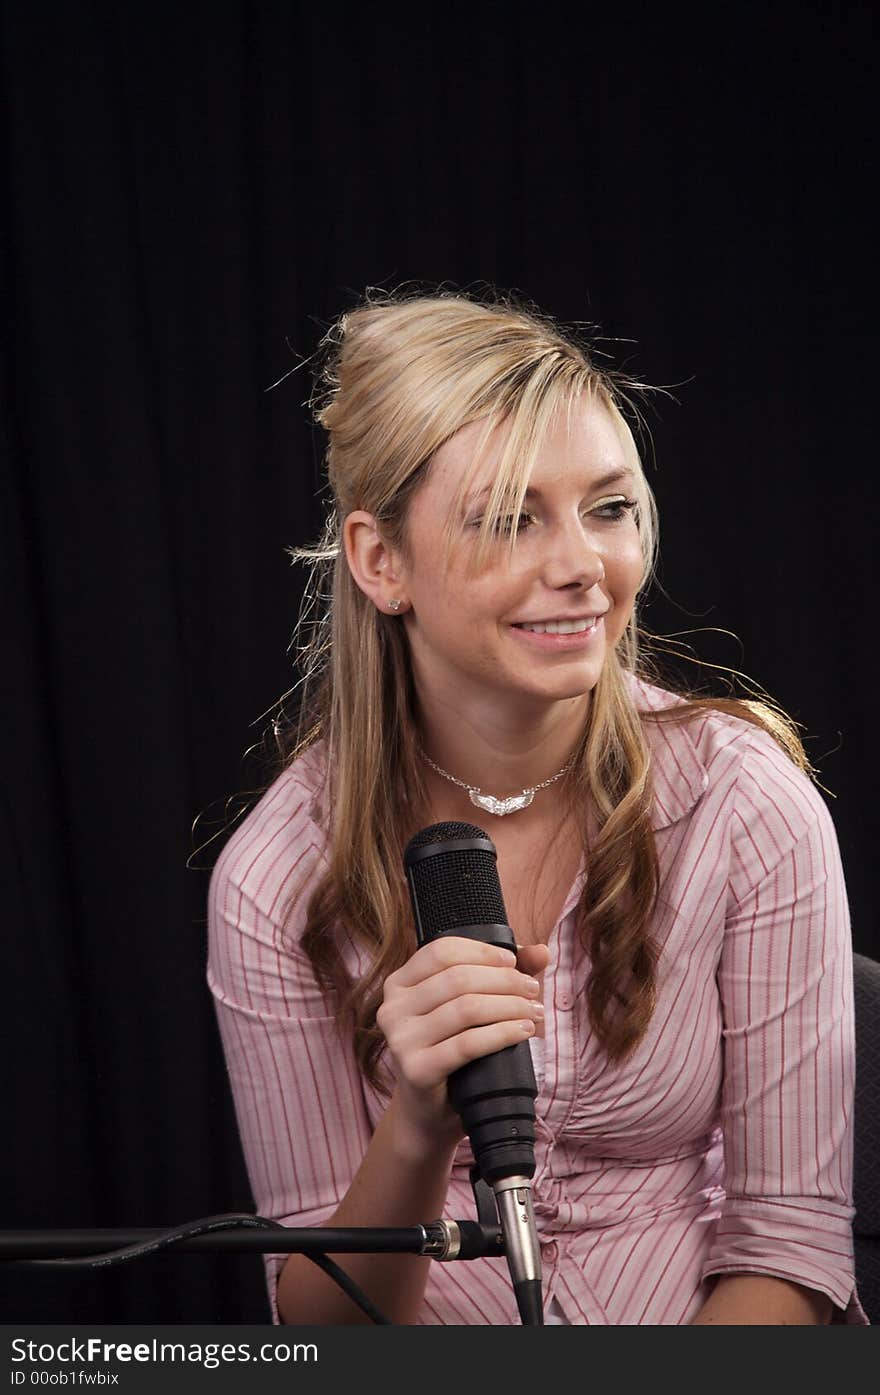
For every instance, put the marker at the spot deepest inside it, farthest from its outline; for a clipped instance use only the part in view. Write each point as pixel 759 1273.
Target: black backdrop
pixel 192 191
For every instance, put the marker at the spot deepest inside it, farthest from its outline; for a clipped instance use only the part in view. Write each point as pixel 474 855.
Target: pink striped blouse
pixel 723 1145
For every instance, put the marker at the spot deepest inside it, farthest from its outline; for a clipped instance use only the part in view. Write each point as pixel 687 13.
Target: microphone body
pixel 453 882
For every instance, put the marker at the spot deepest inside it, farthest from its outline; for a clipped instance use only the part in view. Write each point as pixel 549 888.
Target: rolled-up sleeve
pixel 295 1085
pixel 785 983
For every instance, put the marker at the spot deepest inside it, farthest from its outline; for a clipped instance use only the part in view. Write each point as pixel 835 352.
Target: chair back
pixel 866 1143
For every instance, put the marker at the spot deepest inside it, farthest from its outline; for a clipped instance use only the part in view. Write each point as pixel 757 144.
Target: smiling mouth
pixel 560 627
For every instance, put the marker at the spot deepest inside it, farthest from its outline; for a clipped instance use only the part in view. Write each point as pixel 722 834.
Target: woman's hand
pixel 455 1000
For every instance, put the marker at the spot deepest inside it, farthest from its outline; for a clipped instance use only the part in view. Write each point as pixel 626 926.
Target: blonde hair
pixel 396 377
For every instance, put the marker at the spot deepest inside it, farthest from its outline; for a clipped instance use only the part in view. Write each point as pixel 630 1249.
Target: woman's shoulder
pixel 736 754
pixel 693 743
pixel 280 838
pixel 706 729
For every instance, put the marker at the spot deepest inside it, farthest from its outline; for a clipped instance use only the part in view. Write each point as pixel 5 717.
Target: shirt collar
pixel 679 776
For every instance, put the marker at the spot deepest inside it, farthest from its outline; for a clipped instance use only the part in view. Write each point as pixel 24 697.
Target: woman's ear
pixel 374 565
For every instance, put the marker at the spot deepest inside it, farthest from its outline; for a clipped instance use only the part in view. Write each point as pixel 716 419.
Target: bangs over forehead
pixel 550 387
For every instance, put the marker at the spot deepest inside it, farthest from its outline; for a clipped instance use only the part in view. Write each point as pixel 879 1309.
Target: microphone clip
pixel 484 1197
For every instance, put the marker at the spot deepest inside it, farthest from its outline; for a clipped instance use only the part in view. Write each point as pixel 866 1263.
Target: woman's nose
pixel 573 556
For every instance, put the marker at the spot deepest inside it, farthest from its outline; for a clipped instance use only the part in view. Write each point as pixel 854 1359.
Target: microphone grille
pixel 455 887
pixel 446 833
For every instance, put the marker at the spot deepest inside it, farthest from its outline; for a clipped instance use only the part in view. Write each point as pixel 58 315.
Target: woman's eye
pixel 505 525
pixel 620 508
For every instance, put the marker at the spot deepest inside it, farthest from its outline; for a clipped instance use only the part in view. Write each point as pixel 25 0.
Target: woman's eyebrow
pixel 601 483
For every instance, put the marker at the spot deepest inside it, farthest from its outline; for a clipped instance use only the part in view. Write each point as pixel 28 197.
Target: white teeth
pixel 560 627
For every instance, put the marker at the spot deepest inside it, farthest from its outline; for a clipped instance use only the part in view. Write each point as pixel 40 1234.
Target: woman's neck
pixel 497 753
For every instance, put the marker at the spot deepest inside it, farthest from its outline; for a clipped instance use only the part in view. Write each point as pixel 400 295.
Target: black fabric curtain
pixel 191 193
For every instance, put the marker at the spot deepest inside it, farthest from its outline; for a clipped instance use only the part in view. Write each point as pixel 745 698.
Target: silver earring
pixel 395 605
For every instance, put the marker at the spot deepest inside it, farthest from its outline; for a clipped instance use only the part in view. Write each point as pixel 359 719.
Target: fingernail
pixel 506 956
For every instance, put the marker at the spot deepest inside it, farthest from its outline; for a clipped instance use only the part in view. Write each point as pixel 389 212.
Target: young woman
pixel 670 871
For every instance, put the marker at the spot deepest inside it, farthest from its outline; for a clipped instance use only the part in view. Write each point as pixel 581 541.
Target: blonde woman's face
pixel 577 553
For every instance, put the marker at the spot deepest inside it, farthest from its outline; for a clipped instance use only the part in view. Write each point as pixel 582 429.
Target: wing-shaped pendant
pixel 502 806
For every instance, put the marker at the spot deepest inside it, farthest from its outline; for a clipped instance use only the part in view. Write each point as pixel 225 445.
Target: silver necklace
pixel 489 801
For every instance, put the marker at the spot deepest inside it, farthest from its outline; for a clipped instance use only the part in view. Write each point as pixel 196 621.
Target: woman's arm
pixel 402 1181
pixel 312 1156
pixel 785 984
pixel 756 1299
pixel 404 1176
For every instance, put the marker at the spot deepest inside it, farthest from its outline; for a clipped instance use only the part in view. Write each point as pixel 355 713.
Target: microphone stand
pixel 97 1248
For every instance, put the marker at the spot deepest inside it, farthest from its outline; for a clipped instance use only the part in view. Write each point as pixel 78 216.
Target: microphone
pixel 453 883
